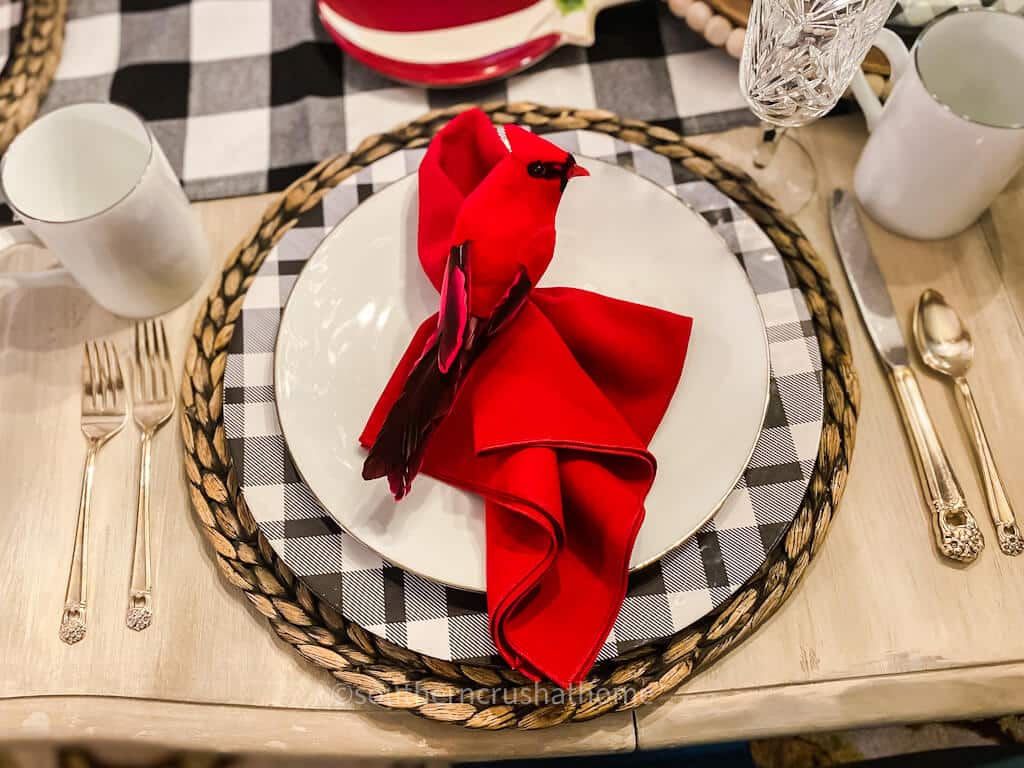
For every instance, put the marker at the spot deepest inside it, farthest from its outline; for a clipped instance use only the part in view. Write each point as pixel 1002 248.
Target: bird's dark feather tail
pixel 428 396
pixel 398 450
pixel 509 306
pixel 453 318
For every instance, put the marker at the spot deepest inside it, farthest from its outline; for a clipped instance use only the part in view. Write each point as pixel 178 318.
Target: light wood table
pixel 880 631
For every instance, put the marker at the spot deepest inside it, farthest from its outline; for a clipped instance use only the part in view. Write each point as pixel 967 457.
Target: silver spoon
pixel 945 346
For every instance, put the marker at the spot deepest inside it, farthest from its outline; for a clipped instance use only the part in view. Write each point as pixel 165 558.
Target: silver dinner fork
pixel 153 394
pixel 104 411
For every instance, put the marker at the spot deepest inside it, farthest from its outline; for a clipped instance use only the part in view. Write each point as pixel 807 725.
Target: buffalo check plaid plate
pixel 447 623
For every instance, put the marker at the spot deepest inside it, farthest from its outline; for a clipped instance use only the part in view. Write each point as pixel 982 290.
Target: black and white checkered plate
pixel 447 623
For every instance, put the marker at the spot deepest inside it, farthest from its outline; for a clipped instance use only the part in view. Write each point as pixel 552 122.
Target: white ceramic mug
pixel 951 135
pixel 92 186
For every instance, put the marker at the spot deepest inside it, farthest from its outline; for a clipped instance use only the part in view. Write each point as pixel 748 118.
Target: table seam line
pixel 855 678
pixel 375 710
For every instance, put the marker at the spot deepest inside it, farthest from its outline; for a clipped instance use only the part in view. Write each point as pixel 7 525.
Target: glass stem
pixel 771 135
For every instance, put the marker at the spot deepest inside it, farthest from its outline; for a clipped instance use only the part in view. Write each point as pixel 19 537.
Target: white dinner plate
pixel 362 294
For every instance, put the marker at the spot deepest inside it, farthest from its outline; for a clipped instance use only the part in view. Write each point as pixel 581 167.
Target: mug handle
pixel 889 43
pixel 19 234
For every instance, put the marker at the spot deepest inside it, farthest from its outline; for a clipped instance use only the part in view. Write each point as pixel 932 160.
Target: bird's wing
pixel 426 398
pixel 453 318
pixel 429 394
pixel 509 306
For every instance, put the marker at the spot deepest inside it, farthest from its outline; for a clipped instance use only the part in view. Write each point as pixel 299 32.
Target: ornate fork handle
pixel 72 621
pixel 140 597
pixel 957 535
pixel 152 408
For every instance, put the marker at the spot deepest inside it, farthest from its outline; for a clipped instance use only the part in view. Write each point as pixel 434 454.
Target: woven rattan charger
pixel 31 65
pixel 479 697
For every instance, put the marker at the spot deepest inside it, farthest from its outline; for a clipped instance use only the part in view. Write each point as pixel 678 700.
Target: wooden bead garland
pixel 716 29
pixel 734 43
pixel 698 15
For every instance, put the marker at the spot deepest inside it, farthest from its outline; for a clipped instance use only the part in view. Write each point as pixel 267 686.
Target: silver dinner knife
pixel 957 535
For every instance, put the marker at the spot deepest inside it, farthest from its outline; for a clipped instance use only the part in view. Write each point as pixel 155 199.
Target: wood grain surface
pixel 880 631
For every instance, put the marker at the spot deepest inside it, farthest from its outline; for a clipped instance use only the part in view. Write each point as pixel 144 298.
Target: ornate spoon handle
pixel 1007 531
pixel 957 535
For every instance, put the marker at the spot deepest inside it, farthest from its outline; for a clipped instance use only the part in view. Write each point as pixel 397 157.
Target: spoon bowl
pixel 943 342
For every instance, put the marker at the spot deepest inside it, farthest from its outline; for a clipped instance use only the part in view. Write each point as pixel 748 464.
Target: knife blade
pixel 866 280
pixel 956 532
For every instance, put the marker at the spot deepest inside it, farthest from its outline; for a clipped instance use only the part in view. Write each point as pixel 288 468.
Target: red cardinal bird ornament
pixel 541 400
pixel 501 243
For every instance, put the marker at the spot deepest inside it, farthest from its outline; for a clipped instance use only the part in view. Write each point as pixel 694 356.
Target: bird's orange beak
pixel 577 170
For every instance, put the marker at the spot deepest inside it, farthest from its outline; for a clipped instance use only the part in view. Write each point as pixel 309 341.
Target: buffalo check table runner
pixel 447 623
pixel 246 95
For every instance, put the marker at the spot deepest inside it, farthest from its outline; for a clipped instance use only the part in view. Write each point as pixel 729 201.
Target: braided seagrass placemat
pixel 473 696
pixel 27 75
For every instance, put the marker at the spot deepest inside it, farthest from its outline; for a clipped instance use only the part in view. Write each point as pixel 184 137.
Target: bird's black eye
pixel 536 169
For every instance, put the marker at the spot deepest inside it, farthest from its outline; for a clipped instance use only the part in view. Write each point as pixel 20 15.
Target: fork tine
pixel 112 374
pixel 101 379
pixel 108 375
pixel 119 372
pixel 116 390
pixel 163 338
pixel 153 376
pixel 101 366
pixel 97 377
pixel 93 377
pixel 111 388
pixel 87 380
pixel 155 360
pixel 139 373
pixel 165 361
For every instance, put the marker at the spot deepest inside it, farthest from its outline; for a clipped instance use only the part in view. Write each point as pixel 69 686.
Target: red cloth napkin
pixel 550 426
